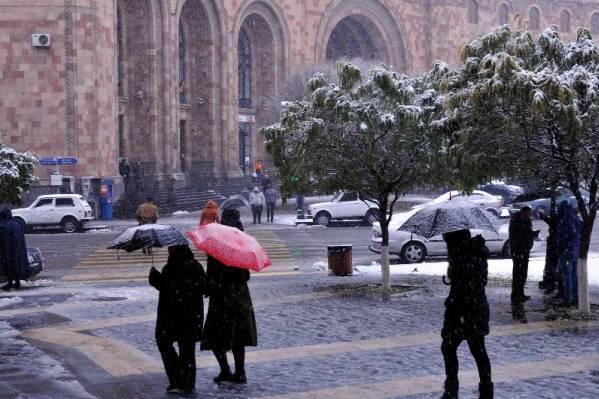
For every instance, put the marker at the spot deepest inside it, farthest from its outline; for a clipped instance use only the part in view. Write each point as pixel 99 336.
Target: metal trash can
pixel 340 259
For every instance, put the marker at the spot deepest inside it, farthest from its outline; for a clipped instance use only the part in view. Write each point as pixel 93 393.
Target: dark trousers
pixel 270 211
pixel 180 368
pixel 449 348
pixel 257 212
pixel 519 274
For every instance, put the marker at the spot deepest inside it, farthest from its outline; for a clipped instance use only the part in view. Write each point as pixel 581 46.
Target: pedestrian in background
pixel 230 321
pixel 568 246
pixel 14 263
pixel 257 202
pixel 182 285
pixel 147 212
pixel 209 214
pixel 271 196
pixel 521 238
pixel 466 310
pixel 551 274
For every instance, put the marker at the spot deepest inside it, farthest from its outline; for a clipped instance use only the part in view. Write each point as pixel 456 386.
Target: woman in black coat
pixel 13 250
pixel 182 285
pixel 230 322
pixel 466 310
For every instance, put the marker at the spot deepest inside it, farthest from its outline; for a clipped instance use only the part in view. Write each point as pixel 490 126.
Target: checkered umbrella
pixel 148 235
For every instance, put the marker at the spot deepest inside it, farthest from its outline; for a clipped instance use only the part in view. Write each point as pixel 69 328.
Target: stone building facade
pixel 178 87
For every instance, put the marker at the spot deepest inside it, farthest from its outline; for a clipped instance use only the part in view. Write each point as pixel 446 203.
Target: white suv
pixel 69 211
pixel 344 205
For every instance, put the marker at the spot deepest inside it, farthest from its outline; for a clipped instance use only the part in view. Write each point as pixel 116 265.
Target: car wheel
pixel 70 225
pixel 506 252
pixel 413 252
pixel 322 218
pixel 372 216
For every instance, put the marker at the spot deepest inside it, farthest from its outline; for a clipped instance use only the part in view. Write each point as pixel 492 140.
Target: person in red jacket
pixel 210 213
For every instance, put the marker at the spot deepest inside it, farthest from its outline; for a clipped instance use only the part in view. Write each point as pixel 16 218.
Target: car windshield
pixel 338 196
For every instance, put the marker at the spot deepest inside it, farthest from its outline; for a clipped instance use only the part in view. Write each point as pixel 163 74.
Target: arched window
pixel 564 21
pixel 182 82
pixel 119 53
pixel 473 12
pixel 595 24
pixel 244 53
pixel 503 14
pixel 533 18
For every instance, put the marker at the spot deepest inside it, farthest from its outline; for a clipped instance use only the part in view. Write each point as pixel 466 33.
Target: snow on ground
pixel 498 268
pixel 131 293
pixel 5 302
pixel 180 213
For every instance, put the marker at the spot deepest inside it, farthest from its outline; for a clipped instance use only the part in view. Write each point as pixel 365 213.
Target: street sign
pixel 58 161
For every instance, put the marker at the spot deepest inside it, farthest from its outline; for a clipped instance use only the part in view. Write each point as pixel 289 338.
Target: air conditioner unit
pixel 43 40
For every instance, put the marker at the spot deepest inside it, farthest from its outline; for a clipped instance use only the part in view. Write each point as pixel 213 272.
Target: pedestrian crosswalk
pixel 105 265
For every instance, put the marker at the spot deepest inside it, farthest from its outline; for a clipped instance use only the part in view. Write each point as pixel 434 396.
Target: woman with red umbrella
pixel 230 322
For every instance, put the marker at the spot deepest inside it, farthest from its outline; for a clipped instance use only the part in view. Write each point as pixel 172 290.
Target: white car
pixel 482 199
pixel 412 248
pixel 69 211
pixel 343 206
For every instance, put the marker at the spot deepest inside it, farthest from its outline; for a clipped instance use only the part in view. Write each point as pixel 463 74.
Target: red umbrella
pixel 230 246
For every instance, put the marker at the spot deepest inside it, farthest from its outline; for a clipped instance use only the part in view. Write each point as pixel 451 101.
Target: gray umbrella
pixel 447 217
pixel 234 201
pixel 148 235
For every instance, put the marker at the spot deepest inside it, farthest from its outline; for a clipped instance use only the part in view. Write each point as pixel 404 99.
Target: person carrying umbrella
pixel 230 321
pixel 209 213
pixel 147 213
pixel 466 310
pixel 182 285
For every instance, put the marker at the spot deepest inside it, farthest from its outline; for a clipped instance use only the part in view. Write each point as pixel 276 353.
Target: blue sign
pixel 58 161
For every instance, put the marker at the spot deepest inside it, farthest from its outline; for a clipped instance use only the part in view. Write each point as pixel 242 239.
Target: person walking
pixel 257 201
pixel 521 238
pixel 209 214
pixel 182 285
pixel 568 246
pixel 271 197
pixel 147 212
pixel 466 310
pixel 230 322
pixel 14 263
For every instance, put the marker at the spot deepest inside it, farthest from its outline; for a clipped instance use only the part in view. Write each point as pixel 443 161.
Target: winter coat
pixel 209 214
pixel 182 285
pixel 466 306
pixel 230 322
pixel 13 247
pixel 521 235
pixel 257 198
pixel 271 195
pixel 147 213
pixel 569 229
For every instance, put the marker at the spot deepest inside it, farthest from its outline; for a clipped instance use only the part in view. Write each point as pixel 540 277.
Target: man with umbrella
pixel 521 238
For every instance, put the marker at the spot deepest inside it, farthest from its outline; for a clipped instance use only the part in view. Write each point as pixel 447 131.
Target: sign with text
pixel 58 161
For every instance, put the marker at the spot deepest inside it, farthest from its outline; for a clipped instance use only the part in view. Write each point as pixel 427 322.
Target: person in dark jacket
pixel 182 285
pixel 13 250
pixel 568 246
pixel 521 238
pixel 230 322
pixel 466 310
pixel 550 273
pixel 271 196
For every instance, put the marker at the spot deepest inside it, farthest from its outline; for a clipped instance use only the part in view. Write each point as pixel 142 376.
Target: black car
pixel 507 192
pixel 36 262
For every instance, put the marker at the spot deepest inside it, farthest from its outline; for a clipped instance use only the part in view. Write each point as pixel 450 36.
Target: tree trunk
pixel 584 304
pixel 385 270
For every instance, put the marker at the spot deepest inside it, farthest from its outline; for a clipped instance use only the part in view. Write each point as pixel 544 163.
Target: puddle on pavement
pixel 372 290
pixel 109 299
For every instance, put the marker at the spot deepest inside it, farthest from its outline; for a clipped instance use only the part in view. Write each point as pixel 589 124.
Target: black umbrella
pixel 148 235
pixel 447 217
pixel 233 202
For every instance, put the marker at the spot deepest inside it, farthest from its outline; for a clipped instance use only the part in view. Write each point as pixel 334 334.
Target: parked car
pixel 36 262
pixel 412 248
pixel 68 211
pixel 480 198
pixel 343 206
pixel 541 200
pixel 506 191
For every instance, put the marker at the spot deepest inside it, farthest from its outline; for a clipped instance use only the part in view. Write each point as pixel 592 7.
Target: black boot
pixel 451 390
pixel 239 377
pixel 485 390
pixel 224 375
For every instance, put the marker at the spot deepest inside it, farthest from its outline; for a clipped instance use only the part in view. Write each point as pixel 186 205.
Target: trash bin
pixel 340 259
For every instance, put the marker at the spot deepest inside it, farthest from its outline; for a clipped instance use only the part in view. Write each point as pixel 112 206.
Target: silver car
pixel 412 248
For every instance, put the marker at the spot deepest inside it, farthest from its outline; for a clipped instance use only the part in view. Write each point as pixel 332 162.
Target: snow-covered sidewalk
pixel 498 268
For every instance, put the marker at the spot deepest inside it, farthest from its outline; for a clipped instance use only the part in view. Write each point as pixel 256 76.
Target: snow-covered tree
pixel 16 174
pixel 525 108
pixel 367 133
